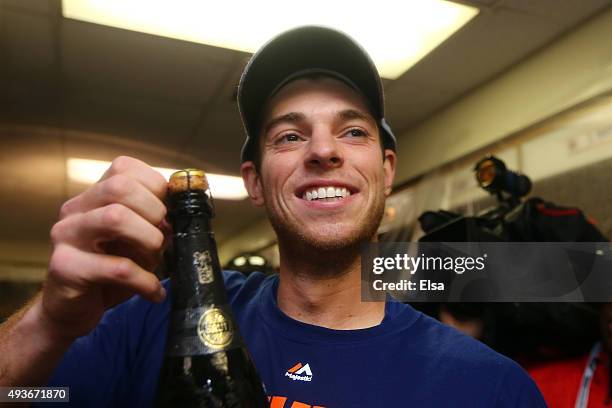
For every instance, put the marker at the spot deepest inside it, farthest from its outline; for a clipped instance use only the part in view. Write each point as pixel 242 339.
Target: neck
pixel 323 288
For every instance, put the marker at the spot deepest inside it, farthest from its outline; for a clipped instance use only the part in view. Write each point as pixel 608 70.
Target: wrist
pixel 29 348
pixel 44 329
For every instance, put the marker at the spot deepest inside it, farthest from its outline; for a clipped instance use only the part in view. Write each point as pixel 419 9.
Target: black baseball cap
pixel 302 51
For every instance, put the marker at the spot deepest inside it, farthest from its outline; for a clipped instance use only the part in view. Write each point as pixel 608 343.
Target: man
pixel 320 158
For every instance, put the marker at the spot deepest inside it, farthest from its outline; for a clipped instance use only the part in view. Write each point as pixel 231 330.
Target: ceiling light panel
pixel 397 34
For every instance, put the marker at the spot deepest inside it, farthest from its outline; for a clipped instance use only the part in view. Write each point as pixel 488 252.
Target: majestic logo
pixel 202 261
pixel 215 329
pixel 299 372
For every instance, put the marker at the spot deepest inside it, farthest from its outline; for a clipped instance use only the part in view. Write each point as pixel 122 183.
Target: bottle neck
pixel 190 225
pixel 185 205
pixel 195 271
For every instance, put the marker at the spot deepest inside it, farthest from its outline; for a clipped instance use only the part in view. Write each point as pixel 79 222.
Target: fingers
pixel 138 170
pixel 108 223
pixel 114 229
pixel 129 182
pixel 80 271
pixel 146 259
pixel 127 191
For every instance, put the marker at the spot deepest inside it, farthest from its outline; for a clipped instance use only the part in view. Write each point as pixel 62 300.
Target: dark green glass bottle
pixel 206 363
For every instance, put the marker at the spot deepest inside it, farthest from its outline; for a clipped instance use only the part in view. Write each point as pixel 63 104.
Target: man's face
pixel 322 179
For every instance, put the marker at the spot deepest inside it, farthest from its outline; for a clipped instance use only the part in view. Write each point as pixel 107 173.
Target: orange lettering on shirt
pixel 277 402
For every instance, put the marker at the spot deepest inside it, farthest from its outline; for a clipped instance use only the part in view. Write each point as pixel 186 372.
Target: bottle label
pixel 215 329
pixel 202 330
pixel 203 264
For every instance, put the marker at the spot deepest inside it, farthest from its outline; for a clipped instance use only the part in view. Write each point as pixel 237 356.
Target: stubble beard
pixel 331 250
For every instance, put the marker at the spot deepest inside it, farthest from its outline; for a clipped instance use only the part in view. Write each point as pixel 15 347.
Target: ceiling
pixel 73 89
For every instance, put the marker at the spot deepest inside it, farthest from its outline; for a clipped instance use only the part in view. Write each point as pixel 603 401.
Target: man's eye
pixel 357 133
pixel 289 137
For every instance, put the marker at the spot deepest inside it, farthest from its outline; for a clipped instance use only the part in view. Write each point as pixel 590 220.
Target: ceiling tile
pixel 489 45
pixel 564 12
pixel 27 46
pixel 144 120
pixel 480 3
pixel 102 58
pixel 220 138
pixel 34 6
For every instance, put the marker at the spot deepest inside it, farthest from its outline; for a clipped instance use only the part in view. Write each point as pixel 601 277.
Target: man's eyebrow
pixel 291 117
pixel 348 114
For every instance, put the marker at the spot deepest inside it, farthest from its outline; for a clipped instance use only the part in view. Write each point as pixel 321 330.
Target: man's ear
pixel 389 168
pixel 252 182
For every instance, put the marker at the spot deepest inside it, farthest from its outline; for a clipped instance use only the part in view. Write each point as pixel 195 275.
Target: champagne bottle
pixel 206 363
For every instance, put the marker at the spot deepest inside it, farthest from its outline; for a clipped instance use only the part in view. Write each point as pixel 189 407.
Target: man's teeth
pixel 326 192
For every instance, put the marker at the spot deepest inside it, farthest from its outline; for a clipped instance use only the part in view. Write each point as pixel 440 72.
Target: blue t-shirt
pixel 409 360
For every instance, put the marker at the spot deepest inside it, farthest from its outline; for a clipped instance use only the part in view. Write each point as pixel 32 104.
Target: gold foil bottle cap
pixel 187 180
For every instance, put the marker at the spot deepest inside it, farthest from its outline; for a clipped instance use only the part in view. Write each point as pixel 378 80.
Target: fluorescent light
pixel 223 187
pixel 240 261
pixel 397 34
pixel 256 260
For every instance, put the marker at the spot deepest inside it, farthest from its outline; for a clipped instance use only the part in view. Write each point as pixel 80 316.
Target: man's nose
pixel 323 151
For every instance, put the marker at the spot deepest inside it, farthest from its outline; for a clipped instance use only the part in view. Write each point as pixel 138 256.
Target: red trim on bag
pixel 557 212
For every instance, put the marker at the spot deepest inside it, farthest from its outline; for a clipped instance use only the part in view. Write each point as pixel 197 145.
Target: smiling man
pixel 320 157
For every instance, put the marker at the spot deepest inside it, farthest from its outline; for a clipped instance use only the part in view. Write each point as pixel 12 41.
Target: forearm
pixel 29 349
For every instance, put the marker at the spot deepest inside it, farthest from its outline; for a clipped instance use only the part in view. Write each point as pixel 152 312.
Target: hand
pixel 105 244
